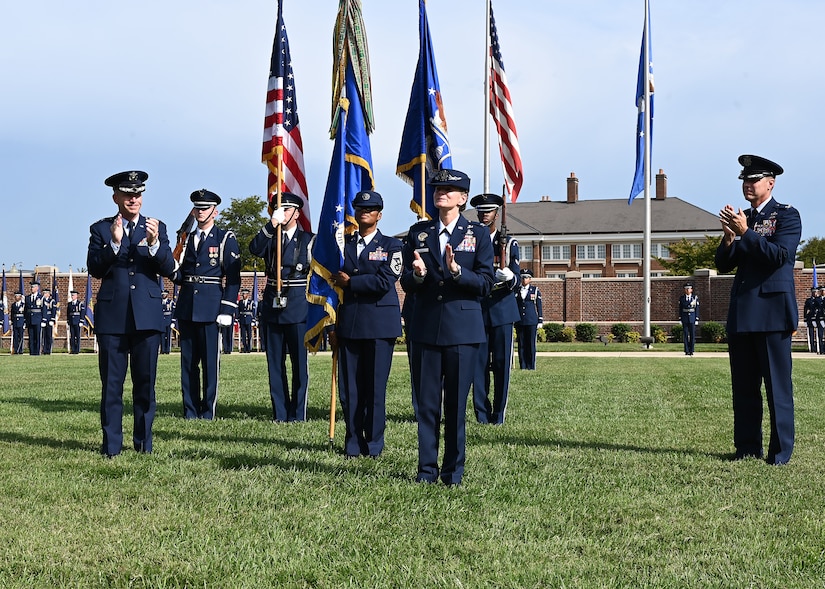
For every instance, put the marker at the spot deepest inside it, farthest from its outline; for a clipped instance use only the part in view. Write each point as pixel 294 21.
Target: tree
pixel 686 256
pixel 245 217
pixel 810 250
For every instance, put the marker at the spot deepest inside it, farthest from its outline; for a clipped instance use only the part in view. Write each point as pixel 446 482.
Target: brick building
pixel 603 238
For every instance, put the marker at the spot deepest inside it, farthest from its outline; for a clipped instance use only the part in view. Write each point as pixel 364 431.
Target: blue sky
pixel 177 89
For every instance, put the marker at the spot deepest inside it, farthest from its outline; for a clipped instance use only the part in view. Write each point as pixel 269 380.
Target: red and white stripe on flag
pixel 282 131
pixel 501 108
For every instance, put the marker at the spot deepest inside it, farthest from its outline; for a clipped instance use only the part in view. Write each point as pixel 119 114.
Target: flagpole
pixel 487 100
pixel 646 245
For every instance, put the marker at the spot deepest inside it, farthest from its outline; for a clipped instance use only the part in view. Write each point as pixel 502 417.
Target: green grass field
pixel 610 472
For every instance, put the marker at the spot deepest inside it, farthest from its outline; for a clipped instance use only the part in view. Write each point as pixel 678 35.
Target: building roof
pixel 611 216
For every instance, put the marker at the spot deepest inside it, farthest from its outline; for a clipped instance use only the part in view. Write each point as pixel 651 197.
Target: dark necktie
pixel 752 218
pixel 359 249
pixel 201 238
pixel 129 226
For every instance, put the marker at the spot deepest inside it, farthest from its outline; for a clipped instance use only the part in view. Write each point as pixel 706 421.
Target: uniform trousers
pixel 17 336
pixel 34 339
pixel 288 404
pixel 526 346
pixel 813 338
pixel 756 358
pixel 246 337
pixel 117 352
pixel 199 350
pixel 74 339
pixel 364 368
pixel 689 336
pixel 166 340
pixel 494 355
pixel 449 369
pixel 48 338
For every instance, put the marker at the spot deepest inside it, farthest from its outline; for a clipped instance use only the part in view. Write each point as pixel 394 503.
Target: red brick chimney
pixel 661 185
pixel 572 188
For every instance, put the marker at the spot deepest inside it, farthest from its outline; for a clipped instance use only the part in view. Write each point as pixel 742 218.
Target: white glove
pixel 224 320
pixel 278 216
pixel 42 324
pixel 51 323
pixel 504 275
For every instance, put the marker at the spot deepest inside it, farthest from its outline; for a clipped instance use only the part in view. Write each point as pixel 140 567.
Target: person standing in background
pixel 75 312
pixel 47 321
pixel 528 298
pixel 34 318
pixel 689 316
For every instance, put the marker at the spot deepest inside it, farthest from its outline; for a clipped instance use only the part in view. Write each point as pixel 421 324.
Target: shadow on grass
pixel 586 445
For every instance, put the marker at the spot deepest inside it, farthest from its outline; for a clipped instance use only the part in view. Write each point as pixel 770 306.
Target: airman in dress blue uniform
pixel 448 266
pixel 495 354
pixel 689 316
pixel 128 253
pixel 369 321
pixel 761 244
pixel 246 315
pixel 284 313
pixel 809 312
pixel 210 278
pixel 75 312
pixel 168 306
pixel 528 298
pixel 819 316
pixel 18 322
pixel 47 322
pixel 34 318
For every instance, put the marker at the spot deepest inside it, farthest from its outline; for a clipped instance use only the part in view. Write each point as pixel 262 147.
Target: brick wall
pixel 603 301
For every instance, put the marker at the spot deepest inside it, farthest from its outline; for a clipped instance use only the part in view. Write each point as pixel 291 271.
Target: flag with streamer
pixel 22 290
pixel 283 148
pixel 5 306
pixel 645 67
pixel 501 108
pixel 350 172
pixel 55 291
pixel 424 144
pixel 815 284
pixel 90 314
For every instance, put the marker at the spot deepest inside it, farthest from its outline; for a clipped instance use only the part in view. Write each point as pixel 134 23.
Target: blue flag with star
pixel 424 144
pixel 350 172
pixel 644 61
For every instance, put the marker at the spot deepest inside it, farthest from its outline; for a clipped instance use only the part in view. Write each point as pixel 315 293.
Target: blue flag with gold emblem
pixel 424 144
pixel 350 172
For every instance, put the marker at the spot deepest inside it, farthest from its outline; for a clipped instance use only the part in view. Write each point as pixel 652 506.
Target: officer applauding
pixel 209 277
pixel 448 266
pixel 761 244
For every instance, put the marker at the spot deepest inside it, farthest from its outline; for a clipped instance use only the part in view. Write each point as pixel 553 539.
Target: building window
pixel 626 274
pixel 554 275
pixel 555 252
pixel 657 274
pixel 591 252
pixel 659 250
pixel 627 251
pixel 526 252
pixel 591 274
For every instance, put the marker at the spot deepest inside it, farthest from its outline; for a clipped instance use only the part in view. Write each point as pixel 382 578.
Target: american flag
pixel 502 110
pixel 282 131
